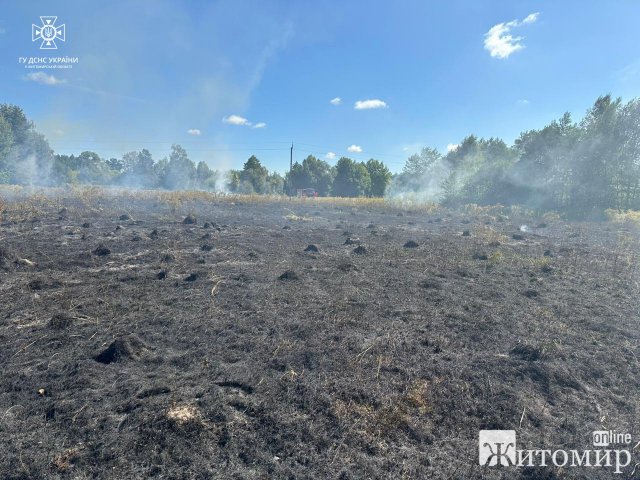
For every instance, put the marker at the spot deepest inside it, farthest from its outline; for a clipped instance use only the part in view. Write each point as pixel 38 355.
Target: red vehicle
pixel 307 192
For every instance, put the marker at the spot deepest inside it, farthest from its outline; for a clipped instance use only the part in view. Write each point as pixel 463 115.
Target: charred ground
pixel 307 340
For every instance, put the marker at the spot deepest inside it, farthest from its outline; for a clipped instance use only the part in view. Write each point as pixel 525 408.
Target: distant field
pixel 193 335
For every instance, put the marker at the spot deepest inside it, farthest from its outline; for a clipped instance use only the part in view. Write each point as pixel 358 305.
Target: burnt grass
pixel 262 358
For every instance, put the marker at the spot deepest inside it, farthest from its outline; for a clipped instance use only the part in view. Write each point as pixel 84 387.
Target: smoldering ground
pixel 162 358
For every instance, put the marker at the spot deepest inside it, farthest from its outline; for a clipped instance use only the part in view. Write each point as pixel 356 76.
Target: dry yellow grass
pixel 28 202
pixel 381 421
pixel 488 235
pixel 622 216
pixel 62 462
pixel 476 210
pixel 183 414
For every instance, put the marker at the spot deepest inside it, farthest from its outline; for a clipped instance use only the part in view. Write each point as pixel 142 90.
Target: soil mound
pixel 128 347
pixel 312 248
pixel 6 258
pixel 431 284
pixel 347 267
pixel 289 275
pixel 360 250
pixel 124 217
pixel 352 241
pixel 190 220
pixel 191 278
pixel 101 251
pixel 411 244
pixel 43 284
pixel 525 352
pixel 60 321
pixel 206 247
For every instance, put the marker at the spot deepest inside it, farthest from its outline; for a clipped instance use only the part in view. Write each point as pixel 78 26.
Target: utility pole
pixel 290 169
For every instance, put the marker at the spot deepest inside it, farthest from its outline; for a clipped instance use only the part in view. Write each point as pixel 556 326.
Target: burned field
pixel 222 339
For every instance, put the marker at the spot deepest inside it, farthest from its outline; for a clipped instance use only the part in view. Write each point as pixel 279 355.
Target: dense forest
pixel 578 168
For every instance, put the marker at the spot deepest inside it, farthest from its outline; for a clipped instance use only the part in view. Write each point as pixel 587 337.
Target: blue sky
pixel 251 76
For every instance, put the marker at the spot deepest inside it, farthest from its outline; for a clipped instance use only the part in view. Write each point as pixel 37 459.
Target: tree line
pixel 578 168
pixel 27 159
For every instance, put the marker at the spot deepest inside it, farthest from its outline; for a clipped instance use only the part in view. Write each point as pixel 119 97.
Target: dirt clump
pixel 191 277
pixel 101 251
pixel 289 275
pixel 348 267
pixel 526 352
pixel 360 250
pixel 190 220
pixel 6 257
pixel 411 244
pixel 60 321
pixel 312 248
pixel 127 347
pixel 431 284
pixel 43 284
pixel 352 241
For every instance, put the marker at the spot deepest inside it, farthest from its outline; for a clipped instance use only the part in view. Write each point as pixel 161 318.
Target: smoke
pixel 26 166
pixel 426 188
pixel 422 178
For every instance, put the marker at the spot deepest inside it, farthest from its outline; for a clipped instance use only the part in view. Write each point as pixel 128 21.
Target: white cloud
pixel 41 77
pixel 194 131
pixel 335 101
pixel 499 41
pixel 236 120
pixel 354 149
pixel 369 104
pixel 330 155
pixel 452 147
pixel 523 102
pixel 243 122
